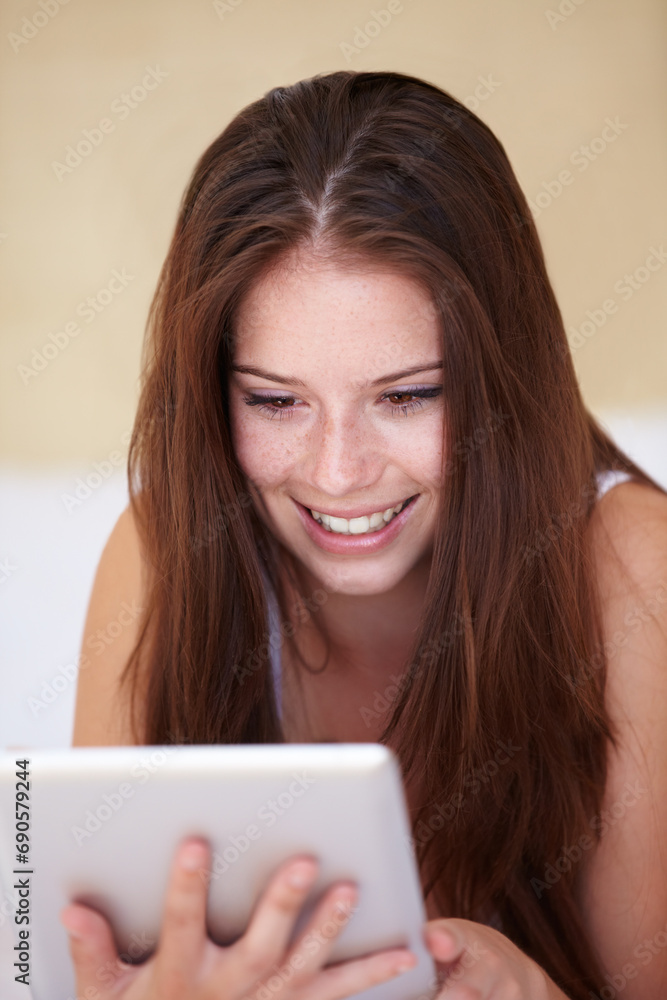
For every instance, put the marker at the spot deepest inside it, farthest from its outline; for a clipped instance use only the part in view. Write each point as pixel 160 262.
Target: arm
pixel 110 632
pixel 474 960
pixel 622 885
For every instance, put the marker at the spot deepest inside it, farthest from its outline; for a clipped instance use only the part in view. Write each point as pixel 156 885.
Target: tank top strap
pixel 274 640
pixel 609 478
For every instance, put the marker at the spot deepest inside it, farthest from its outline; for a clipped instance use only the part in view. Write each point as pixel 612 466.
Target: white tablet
pixel 100 826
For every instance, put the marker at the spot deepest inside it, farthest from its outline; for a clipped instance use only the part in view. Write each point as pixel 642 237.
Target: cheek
pixel 266 456
pixel 419 453
pixel 433 445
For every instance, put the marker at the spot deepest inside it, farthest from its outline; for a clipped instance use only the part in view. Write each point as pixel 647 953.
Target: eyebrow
pixel 292 380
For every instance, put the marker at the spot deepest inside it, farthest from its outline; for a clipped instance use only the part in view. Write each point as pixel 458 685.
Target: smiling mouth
pixel 366 525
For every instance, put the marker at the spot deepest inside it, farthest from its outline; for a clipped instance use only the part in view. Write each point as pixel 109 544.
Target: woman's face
pixel 336 408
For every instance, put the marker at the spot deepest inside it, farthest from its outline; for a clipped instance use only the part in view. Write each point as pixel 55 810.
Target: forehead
pixel 312 310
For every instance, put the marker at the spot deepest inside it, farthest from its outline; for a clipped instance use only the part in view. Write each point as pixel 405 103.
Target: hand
pixel 476 961
pixel 187 965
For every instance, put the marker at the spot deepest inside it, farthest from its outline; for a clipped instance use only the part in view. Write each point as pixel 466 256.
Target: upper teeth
pixel 358 525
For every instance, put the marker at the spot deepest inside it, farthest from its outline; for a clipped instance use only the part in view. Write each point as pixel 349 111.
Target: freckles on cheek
pixel 265 460
pixel 420 454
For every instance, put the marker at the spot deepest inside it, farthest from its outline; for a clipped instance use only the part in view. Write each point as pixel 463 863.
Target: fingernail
pixel 404 966
pixel 69 922
pixel 443 937
pixel 346 905
pixel 302 874
pixel 193 857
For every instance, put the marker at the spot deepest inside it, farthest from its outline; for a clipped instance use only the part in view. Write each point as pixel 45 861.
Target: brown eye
pixel 407 401
pixel 272 406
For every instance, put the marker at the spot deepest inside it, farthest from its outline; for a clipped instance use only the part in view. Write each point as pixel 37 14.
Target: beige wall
pixel 552 81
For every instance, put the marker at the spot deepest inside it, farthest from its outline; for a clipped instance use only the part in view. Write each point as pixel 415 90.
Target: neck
pixel 373 634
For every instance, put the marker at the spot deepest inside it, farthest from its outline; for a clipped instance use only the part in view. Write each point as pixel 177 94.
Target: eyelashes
pixel 283 406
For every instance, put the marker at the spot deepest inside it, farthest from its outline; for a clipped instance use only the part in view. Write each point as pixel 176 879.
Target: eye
pixel 401 401
pixel 279 406
pixel 404 401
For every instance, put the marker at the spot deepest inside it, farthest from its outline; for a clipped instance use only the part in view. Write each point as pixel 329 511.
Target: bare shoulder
pixel 629 548
pixel 629 537
pixel 623 882
pixel 113 622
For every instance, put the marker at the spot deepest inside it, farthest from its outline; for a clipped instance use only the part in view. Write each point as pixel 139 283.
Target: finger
pixel 313 947
pixel 183 931
pixel 332 913
pixel 447 948
pixel 91 945
pixel 352 976
pixel 444 941
pixel 271 924
pixel 465 959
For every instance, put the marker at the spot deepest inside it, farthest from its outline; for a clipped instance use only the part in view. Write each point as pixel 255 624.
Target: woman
pixel 360 425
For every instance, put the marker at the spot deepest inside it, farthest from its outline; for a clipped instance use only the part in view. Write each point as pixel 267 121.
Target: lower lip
pixel 352 544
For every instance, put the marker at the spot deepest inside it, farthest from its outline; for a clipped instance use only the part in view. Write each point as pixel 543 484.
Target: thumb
pixel 443 941
pixel 91 945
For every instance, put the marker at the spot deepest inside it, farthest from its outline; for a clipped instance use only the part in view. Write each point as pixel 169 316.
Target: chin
pixel 356 580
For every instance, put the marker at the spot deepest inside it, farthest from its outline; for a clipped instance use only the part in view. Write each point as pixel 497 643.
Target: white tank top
pixel 611 478
pixel 275 642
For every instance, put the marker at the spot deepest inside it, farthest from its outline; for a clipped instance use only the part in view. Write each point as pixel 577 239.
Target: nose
pixel 345 456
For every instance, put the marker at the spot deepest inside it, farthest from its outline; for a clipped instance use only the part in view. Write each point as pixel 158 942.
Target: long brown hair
pixel 500 715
